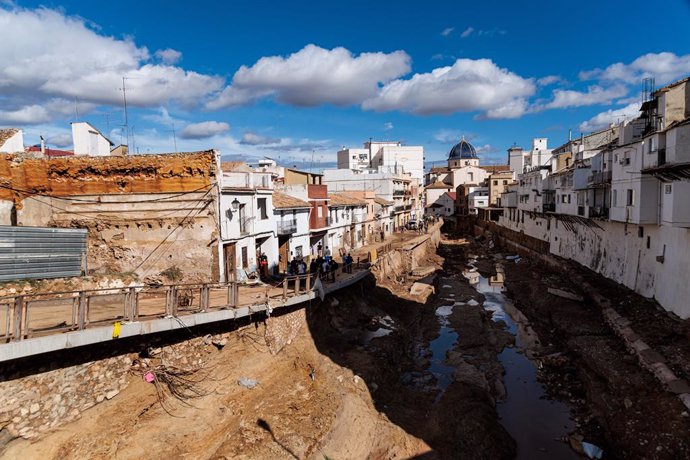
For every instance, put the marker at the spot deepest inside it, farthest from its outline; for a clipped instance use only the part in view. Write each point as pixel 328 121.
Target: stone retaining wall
pixel 53 395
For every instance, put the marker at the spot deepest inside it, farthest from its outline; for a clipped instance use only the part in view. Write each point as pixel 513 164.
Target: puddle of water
pixel 535 422
pixel 439 346
pixel 386 326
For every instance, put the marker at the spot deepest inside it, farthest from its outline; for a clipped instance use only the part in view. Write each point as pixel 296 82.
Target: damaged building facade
pixel 152 216
pixel 616 201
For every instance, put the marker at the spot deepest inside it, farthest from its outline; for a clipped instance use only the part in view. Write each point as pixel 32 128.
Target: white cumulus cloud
pixel 52 55
pixel 594 95
pixel 169 56
pixel 314 76
pixel 466 86
pixel 250 138
pixel 447 31
pixel 665 67
pixel 604 119
pixel 467 32
pixel 204 129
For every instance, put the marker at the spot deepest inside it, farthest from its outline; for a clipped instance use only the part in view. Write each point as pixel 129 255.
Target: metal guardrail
pixel 287 227
pixel 27 315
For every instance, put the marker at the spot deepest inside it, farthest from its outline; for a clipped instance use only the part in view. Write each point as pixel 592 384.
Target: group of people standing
pixel 325 264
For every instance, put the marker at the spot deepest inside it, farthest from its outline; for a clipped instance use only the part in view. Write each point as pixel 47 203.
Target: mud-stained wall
pixel 649 259
pixel 146 215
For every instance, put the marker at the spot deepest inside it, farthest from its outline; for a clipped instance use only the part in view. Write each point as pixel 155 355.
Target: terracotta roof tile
pixel 439 184
pixel 382 201
pixel 342 199
pixel 284 201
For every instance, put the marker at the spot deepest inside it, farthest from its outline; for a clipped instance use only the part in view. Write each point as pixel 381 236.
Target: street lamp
pixel 235 204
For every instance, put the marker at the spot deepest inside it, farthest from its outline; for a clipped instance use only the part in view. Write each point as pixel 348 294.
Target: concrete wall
pixel 89 141
pixel 648 259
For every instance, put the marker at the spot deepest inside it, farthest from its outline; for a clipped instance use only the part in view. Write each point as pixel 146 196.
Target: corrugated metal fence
pixel 38 252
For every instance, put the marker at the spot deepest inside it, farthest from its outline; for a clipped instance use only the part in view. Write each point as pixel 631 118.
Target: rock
pixel 627 403
pixel 565 294
pixel 111 394
pixel 100 398
pixel 34 408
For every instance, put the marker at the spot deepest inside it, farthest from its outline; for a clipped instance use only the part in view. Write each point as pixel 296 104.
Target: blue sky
pixel 295 79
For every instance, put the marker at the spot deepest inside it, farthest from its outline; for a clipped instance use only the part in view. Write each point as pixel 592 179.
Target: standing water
pixel 535 422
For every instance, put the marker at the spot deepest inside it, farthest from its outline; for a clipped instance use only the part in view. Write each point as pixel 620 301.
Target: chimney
pixel 43 146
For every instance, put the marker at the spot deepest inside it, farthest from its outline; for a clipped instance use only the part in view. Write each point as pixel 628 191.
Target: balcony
pixel 598 212
pixel 399 193
pixel 599 178
pixel 287 227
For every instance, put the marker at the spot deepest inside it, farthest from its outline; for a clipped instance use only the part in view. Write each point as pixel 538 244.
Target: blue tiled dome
pixel 463 150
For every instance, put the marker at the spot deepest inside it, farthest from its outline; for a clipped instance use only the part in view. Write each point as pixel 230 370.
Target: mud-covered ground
pixel 458 421
pixel 617 405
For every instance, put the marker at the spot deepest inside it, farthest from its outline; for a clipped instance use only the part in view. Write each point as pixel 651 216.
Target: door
pixel 230 258
pixel 284 252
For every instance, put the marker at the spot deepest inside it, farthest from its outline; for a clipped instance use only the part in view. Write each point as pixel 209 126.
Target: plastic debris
pixel 247 382
pixel 149 377
pixel 591 450
pixel 116 329
pixel 512 257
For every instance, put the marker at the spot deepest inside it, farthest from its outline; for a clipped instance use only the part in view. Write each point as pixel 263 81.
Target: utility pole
pixel 174 136
pixel 124 98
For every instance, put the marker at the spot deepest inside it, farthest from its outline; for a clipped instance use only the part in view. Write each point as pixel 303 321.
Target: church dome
pixel 463 150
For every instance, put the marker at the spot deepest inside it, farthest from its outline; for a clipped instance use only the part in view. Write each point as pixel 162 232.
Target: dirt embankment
pixel 617 404
pixel 288 414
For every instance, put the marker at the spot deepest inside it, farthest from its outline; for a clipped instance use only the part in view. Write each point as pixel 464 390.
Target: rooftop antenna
pixel 76 109
pixel 311 166
pixel 124 98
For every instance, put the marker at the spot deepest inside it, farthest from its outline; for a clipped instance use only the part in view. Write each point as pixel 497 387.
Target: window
pixel 615 197
pixel 243 220
pixel 245 259
pixel 470 177
pixel 630 197
pixel 565 198
pixel 495 182
pixel 319 211
pixel 668 189
pixel 261 203
pixel 505 182
pixel 640 232
pixel 298 252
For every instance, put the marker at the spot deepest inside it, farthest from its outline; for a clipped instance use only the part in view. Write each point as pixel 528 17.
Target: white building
pixel 398 187
pixel 292 228
pixel 522 160
pixel 384 156
pixel 463 170
pixel 11 140
pixel 89 141
pixel 641 182
pixel 346 216
pixel 247 221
